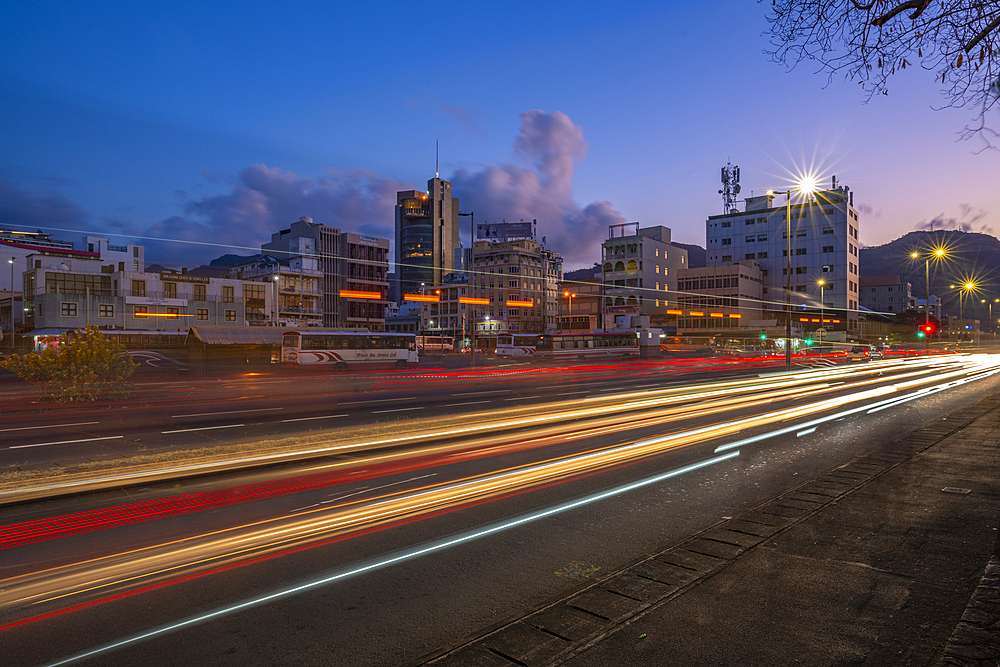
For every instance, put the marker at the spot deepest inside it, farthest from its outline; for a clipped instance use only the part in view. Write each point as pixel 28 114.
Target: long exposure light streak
pixel 395 558
pixel 840 415
pixel 656 398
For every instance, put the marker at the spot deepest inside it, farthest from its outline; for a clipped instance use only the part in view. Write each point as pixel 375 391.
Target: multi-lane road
pixel 445 502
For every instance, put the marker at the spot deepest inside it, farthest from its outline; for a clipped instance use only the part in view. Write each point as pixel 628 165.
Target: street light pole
pixel 806 188
pixel 570 295
pixel 822 287
pixel 13 330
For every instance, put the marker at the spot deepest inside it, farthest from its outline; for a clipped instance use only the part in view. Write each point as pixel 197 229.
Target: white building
pixel 73 292
pixel 519 278
pixel 640 269
pixel 825 231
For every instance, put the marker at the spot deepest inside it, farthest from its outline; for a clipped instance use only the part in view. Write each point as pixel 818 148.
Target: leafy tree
pixel 871 40
pixel 86 367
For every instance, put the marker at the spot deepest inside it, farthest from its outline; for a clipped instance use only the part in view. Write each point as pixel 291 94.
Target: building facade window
pixel 138 288
pixel 140 311
pixel 200 293
pixel 202 313
pixel 68 309
pixel 105 310
pixel 170 290
pixel 230 315
pixel 228 294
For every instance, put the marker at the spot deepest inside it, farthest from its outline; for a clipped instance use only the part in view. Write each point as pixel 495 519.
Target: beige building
pixel 640 268
pixel 720 299
pixel 520 280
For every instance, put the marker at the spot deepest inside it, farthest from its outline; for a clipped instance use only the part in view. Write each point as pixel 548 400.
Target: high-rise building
pixel 824 247
pixel 426 236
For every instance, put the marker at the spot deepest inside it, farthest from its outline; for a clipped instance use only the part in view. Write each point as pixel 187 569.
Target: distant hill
pixel 696 255
pixel 582 274
pixel 971 256
pixel 228 260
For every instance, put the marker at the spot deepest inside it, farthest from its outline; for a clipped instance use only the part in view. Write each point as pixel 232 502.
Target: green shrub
pixel 88 366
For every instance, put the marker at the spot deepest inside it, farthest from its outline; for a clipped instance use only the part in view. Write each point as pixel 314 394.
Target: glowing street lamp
pixel 570 295
pixel 806 186
pixel 936 254
pixel 822 286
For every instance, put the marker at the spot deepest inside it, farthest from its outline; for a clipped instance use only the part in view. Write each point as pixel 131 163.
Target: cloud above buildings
pixel 539 186
pixel 25 210
pixel 536 183
pixel 969 219
pixel 266 199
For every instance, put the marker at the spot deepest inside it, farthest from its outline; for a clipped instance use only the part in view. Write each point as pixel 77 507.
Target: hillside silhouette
pixel 971 257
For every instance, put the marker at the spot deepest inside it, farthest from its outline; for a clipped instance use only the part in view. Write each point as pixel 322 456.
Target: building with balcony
pixel 639 270
pixel 354 287
pixel 426 236
pixel 520 280
pixel 824 243
pixel 295 286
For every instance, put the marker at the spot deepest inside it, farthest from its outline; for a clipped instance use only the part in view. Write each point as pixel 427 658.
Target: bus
pixel 517 345
pixel 435 343
pixel 560 347
pixel 348 349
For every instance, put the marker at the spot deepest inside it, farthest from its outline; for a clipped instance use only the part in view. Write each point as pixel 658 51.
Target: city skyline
pixel 153 126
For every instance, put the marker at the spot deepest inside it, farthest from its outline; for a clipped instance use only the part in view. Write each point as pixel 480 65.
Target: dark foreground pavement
pixel 888 560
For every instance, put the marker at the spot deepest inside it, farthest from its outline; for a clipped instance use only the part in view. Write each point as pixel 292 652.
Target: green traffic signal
pixel 920 334
pixel 809 341
pixel 763 336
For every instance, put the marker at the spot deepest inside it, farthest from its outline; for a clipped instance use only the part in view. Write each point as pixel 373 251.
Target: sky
pixel 200 128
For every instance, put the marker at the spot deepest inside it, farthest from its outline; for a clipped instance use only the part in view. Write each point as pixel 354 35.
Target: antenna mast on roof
pixel 437 173
pixel 730 187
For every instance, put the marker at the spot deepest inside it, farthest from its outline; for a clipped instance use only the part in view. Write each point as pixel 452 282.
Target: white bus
pixel 435 343
pixel 516 345
pixel 348 349
pixel 561 347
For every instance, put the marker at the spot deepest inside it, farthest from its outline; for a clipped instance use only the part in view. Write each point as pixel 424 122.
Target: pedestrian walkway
pixel 874 563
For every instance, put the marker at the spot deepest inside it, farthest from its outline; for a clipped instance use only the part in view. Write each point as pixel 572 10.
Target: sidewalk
pixel 874 563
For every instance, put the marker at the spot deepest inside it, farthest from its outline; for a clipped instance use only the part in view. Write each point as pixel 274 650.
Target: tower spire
pixel 437 173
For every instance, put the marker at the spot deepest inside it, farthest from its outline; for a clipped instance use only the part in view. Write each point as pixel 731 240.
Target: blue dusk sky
pixel 201 128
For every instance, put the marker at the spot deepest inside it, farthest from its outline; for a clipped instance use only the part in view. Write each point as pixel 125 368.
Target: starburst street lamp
pixel 936 254
pixel 822 286
pixel 806 186
pixel 990 304
pixel 969 287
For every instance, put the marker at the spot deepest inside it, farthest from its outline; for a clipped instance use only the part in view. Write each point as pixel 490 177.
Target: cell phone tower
pixel 730 187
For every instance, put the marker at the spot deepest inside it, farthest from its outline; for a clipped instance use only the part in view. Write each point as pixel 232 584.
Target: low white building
pixel 63 292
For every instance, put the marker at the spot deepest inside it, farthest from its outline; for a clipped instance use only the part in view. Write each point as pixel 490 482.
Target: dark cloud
pixel 970 219
pixel 266 199
pixel 26 210
pixel 549 146
pixel 537 184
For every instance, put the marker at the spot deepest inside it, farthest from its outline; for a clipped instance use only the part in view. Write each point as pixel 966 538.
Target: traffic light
pixel 920 332
pixel 763 336
pixel 809 341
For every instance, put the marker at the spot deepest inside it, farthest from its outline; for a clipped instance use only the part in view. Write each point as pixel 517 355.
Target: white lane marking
pixel 379 400
pixel 227 412
pixel 363 489
pixel 613 389
pixel 521 398
pixel 578 391
pixel 203 428
pixel 28 428
pixel 452 405
pixel 482 393
pixel 806 432
pixel 376 412
pixel 305 419
pixel 68 442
